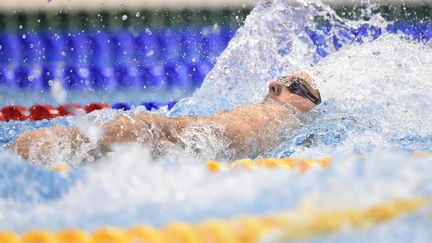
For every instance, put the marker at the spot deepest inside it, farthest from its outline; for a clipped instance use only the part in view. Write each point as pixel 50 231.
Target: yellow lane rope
pixel 299 164
pixel 301 223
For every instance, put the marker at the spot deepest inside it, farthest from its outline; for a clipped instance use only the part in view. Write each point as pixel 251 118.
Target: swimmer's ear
pixel 275 88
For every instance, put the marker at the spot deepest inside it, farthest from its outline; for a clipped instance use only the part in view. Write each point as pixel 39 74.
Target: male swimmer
pixel 245 130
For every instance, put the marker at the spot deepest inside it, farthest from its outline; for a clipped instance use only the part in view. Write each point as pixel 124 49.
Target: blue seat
pixel 122 45
pixel 147 48
pixel 342 37
pixel 55 47
pixel 191 43
pixel 171 104
pixel 374 31
pixel 151 105
pixel 10 49
pixel 152 76
pixel 77 48
pixel 32 49
pixel 426 29
pixel 122 106
pixel 319 41
pixel 28 77
pixel 403 27
pixel 408 28
pixel 213 44
pixel 198 71
pixel 7 77
pixel 391 28
pixel 177 76
pixel 324 28
pixel 227 34
pixel 360 32
pixel 50 73
pixel 100 51
pixel 170 44
pixel 102 77
pixel 127 76
pixel 76 77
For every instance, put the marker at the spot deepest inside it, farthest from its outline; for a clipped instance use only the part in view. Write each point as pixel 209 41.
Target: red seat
pixel 70 109
pixel 95 106
pixel 14 113
pixel 42 112
pixel 2 119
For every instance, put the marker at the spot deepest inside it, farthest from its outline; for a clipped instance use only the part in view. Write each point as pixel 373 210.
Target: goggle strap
pixel 312 98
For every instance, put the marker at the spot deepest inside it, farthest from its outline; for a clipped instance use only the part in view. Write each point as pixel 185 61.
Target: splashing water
pixel 377 97
pixel 266 46
pixel 58 92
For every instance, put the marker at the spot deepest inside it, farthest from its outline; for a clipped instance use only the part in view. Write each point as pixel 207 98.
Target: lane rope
pixel 304 222
pixel 47 112
pixel 296 164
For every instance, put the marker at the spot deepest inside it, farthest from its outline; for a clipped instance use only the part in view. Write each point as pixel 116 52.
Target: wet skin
pixel 249 129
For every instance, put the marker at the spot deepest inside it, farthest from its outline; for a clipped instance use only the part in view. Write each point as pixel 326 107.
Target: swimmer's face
pixel 296 89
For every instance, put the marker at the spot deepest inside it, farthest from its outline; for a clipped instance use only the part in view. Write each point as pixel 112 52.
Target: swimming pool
pixel 376 104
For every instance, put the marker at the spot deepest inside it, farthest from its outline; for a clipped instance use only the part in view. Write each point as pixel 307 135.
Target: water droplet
pixel 84 72
pixel 31 45
pixel 30 77
pixel 20 27
pixel 24 36
pixel 150 53
pixel 124 17
pixel 137 14
pixel 63 53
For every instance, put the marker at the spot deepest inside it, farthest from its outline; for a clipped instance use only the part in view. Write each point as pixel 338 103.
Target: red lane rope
pixel 46 112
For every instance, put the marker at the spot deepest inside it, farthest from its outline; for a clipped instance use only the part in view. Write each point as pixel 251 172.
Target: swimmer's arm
pixel 143 128
pixel 37 145
pixel 43 141
pixel 149 128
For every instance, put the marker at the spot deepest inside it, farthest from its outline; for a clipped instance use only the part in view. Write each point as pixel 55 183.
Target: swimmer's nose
pixel 275 88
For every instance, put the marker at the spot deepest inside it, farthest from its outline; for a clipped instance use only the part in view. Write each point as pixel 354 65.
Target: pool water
pixel 377 96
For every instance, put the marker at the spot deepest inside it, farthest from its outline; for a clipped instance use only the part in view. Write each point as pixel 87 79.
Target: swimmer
pixel 245 130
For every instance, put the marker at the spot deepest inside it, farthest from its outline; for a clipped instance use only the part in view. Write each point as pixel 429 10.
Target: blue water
pixel 377 99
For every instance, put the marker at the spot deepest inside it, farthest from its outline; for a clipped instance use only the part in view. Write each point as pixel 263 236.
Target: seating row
pixel 149 76
pixel 122 46
pixel 148 46
pixel 326 36
pixel 159 58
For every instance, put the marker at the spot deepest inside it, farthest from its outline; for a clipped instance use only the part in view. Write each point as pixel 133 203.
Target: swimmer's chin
pixel 272 101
